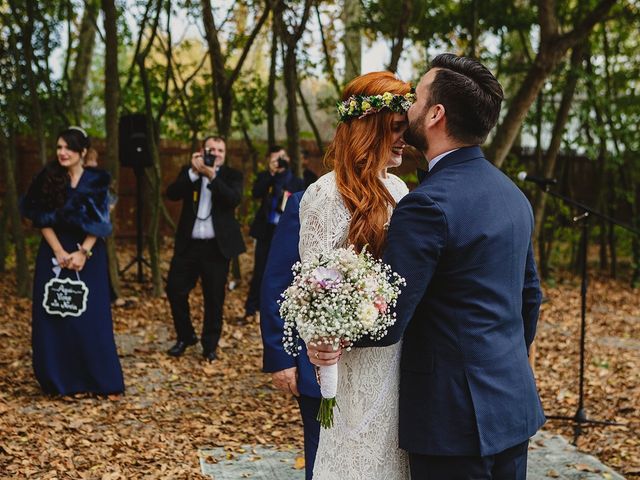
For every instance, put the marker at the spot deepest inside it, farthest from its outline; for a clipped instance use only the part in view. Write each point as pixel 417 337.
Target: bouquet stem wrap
pixel 328 389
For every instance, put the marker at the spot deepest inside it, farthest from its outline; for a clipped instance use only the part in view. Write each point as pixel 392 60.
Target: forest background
pixel 265 72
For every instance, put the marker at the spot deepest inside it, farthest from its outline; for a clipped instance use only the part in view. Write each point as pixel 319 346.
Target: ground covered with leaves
pixel 173 407
pixel 612 367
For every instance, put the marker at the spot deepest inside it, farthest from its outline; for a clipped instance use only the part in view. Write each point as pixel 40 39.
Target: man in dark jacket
pixel 274 186
pixel 208 236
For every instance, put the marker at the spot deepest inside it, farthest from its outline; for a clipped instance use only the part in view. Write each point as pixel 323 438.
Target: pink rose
pixel 380 304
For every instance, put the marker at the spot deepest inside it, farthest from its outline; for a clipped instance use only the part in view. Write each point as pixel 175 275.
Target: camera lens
pixel 282 163
pixel 209 158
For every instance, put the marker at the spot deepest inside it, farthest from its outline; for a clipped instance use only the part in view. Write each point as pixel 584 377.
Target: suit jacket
pixel 277 277
pixel 266 187
pixel 462 241
pixel 226 194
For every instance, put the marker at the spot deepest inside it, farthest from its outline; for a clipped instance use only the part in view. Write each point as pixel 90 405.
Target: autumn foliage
pixel 174 407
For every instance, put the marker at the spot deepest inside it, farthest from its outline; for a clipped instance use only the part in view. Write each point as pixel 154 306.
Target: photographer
pixel 274 186
pixel 208 236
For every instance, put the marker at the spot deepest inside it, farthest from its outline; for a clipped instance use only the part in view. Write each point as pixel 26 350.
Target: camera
pixel 209 158
pixel 283 163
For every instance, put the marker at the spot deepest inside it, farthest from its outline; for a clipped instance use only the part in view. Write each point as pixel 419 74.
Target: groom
pixel 468 314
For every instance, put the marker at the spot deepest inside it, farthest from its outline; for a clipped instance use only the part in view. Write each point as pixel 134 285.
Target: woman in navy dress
pixel 70 204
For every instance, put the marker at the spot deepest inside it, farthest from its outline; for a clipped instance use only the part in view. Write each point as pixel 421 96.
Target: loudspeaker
pixel 134 146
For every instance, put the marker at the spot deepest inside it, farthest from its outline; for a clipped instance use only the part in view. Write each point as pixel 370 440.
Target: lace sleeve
pixel 324 220
pixel 397 187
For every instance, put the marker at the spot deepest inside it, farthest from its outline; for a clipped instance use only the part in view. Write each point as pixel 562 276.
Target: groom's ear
pixel 436 114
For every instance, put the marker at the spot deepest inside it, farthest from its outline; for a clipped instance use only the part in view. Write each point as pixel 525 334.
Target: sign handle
pixel 57 269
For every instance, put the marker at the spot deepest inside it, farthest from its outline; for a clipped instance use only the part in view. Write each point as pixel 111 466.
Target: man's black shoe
pixel 178 349
pixel 209 355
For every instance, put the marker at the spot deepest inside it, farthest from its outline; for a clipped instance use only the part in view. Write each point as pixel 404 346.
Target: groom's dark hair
pixel 471 96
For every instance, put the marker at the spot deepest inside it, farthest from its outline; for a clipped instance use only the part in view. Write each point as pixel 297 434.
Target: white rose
pixel 370 284
pixel 368 314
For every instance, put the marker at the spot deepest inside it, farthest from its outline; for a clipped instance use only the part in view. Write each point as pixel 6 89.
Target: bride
pixel 352 205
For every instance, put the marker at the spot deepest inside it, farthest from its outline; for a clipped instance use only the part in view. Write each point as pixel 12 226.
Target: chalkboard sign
pixel 65 297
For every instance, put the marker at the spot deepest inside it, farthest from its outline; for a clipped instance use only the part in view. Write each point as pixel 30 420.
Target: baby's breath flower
pixel 339 294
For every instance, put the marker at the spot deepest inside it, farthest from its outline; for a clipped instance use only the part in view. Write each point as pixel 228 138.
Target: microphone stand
pixel 580 418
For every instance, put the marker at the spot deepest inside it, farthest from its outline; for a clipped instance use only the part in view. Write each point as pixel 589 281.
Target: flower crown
pixel 359 106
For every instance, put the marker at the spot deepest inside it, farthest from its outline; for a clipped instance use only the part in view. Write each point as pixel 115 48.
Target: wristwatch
pixel 84 251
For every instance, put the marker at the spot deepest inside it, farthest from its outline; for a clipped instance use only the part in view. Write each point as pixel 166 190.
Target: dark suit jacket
pixel 462 240
pixel 226 190
pixel 277 277
pixel 266 187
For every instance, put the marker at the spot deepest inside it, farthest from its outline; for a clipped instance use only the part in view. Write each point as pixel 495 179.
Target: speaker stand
pixel 138 259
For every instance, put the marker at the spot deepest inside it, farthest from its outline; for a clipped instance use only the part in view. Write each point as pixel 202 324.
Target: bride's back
pixel 324 218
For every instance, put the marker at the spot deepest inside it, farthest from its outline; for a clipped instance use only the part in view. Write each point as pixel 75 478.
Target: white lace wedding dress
pixel 363 443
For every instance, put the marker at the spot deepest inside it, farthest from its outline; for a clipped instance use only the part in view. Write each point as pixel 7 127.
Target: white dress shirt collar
pixel 432 162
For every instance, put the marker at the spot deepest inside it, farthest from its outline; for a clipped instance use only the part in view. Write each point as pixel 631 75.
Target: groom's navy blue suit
pixel 468 314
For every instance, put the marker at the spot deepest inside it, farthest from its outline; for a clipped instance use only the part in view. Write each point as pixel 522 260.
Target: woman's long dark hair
pixel 56 177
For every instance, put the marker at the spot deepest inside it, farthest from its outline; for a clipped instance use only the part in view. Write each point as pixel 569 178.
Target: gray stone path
pixel 550 457
pixel 256 462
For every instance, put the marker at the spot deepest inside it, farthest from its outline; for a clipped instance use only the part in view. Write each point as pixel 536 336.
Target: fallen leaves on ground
pixel 173 407
pixel 612 367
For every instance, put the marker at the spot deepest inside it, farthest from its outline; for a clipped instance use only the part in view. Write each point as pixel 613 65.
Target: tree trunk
pixel 602 245
pixel 397 45
pixel 80 74
pixel 9 154
pixel 328 58
pixel 4 225
pixel 352 40
pixel 36 118
pixel 611 237
pixel 152 140
pixel 271 88
pixel 290 75
pixel 290 42
pixel 253 151
pixel 562 115
pixel 543 261
pixel 312 123
pixel 111 103
pixel 635 242
pixel 527 93
pixel 553 47
pixel 154 193
pixel 23 277
pixel 223 80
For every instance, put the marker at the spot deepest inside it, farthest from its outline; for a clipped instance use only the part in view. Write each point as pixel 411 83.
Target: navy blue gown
pixel 75 354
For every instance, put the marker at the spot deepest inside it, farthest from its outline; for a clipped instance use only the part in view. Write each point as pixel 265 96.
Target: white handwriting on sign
pixel 64 298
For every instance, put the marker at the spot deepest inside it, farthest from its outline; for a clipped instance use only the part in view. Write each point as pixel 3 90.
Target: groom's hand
pixel 286 380
pixel 323 354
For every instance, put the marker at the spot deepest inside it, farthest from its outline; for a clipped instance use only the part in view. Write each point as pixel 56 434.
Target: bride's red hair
pixel 358 153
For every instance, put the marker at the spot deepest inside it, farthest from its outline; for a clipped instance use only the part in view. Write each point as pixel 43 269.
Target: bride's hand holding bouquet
pixel 335 299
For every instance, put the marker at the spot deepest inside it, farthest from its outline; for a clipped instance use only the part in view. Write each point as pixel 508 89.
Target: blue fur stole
pixel 86 207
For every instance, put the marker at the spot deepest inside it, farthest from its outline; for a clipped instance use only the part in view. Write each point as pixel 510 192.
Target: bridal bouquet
pixel 338 296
